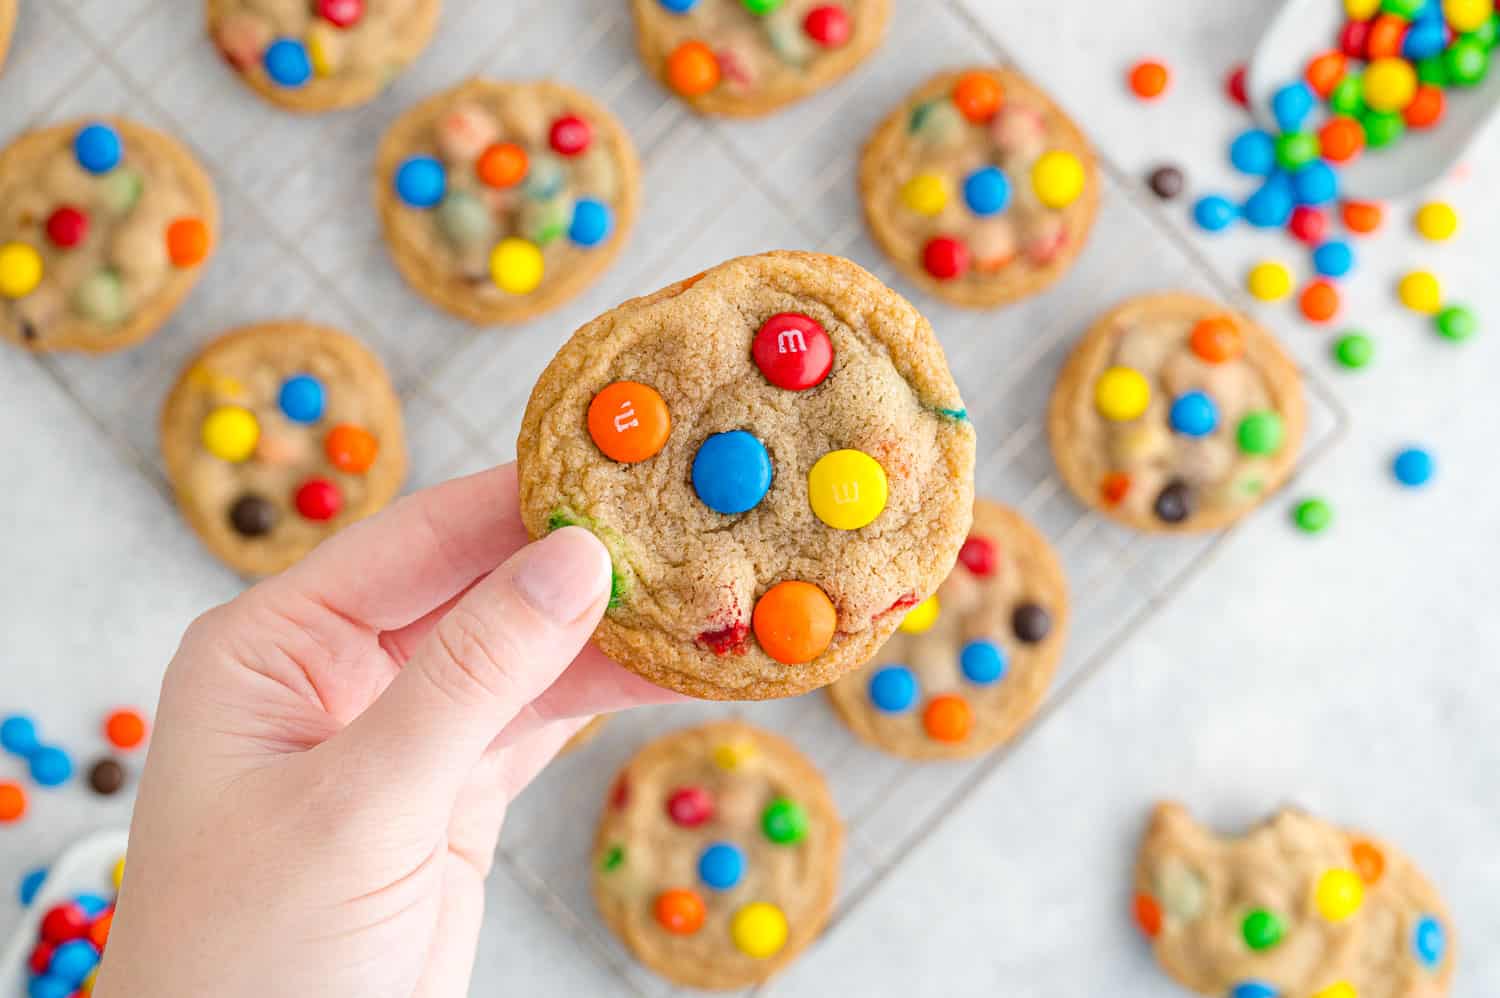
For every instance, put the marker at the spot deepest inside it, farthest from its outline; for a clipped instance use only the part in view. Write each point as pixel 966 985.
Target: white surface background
pixel 1351 673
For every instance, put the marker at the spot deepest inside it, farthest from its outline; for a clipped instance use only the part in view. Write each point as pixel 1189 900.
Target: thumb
pixel 498 649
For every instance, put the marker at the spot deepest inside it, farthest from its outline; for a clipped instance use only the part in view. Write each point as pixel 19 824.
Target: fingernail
pixel 564 574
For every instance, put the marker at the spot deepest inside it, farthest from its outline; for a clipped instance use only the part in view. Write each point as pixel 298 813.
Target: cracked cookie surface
pixel 776 456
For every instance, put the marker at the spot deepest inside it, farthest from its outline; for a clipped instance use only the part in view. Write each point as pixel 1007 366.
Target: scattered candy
pixel 982 662
pixel 12 802
pixel 18 736
pixel 947 718
pixel 1253 152
pixel 288 64
pixel 1354 350
pixel 1457 323
pixel 1334 258
pixel 1363 217
pixel 1316 183
pixel 421 182
pixel 318 499
pixel 1312 516
pixel 50 766
pixel 20 270
pixel 1436 221
pixel 1234 85
pixel 731 472
pixel 106 777
pixel 1148 80
pixel 97 148
pixel 1167 182
pixel 629 422
pixel 31 883
pixel 1326 71
pixel 1413 467
pixel 1269 281
pixel 1058 178
pixel 1319 301
pixel 693 69
pixel 1273 204
pixel 846 489
pixel 1214 213
pixel 793 351
pixel 1291 105
pixel 1389 84
pixel 1420 291
pixel 1308 225
pixel 893 689
pixel 759 930
pixel 1341 139
pixel 125 729
pixel 794 622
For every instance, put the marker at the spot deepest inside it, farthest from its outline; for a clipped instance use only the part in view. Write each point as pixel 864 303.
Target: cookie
pixel 1174 413
pixel 979 188
pixel 276 436
pixel 7 23
pixel 585 734
pixel 105 227
pixel 777 458
pixel 746 58
pixel 321 55
pixel 717 857
pixel 1296 908
pixel 500 201
pixel 968 667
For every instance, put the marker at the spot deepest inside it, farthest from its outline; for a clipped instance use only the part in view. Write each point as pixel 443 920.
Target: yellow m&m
pixel 20 270
pixel 1058 178
pixel 1464 16
pixel 230 433
pixel 1437 221
pixel 730 756
pixel 847 489
pixel 926 194
pixel 1421 291
pixel 1339 894
pixel 1343 989
pixel 1122 394
pixel 1390 84
pixel 759 930
pixel 516 266
pixel 1269 281
pixel 921 617
pixel 323 48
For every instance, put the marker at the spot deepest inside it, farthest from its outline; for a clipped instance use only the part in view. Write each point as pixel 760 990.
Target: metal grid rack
pixel 300 237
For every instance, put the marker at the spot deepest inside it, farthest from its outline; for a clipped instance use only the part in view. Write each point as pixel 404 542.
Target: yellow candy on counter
pixel 1122 394
pixel 1437 221
pixel 20 270
pixel 926 194
pixel 920 618
pixel 759 930
pixel 1058 178
pixel 846 489
pixel 517 266
pixel 1421 291
pixel 230 433
pixel 1269 281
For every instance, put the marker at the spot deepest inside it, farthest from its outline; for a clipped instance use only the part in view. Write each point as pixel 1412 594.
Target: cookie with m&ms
pixel 105 226
pixel 501 200
pixel 1175 413
pixel 979 188
pixel 745 58
pixel 1294 908
pixel 321 55
pixel 717 857
pixel 277 435
pixel 969 665
pixel 778 460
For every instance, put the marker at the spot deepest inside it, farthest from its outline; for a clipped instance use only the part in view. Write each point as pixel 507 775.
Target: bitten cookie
pixel 1175 413
pixel 745 58
pixel 1296 908
pixel 104 228
pixel 717 857
pixel 967 668
pixel 979 188
pixel 501 201
pixel 778 460
pixel 277 435
pixel 321 55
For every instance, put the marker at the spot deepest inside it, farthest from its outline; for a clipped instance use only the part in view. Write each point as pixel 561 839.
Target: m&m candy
pixel 1319 301
pixel 1273 203
pixel 920 618
pixel 1457 323
pixel 1334 258
pixel 1058 178
pixel 1354 350
pixel 680 912
pixel 1312 516
pixel 1309 225
pixel 947 718
pixel 1436 221
pixel 784 821
pixel 1254 152
pixel 302 398
pixel 1316 183
pixel 12 802
pixel 1339 894
pixel 1122 394
pixel 893 689
pixel 1214 213
pixel 318 499
pixel 230 433
pixel 502 165
pixel 1363 217
pixel 187 242
pixel 731 472
pixel 1260 432
pixel 592 222
pixel 20 270
pixel 125 729
pixel 421 182
pixel 1420 291
pixel 1262 929
pixel 253 516
pixel 693 69
pixel 1389 84
pixel 689 807
pixel 1269 281
pixel 982 662
pixel 1341 139
pixel 794 622
pixel 288 63
pixel 629 421
pixel 341 13
pixel 1291 105
pixel 1148 79
pixel 67 227
pixel 1193 414
pixel 721 866
pixel 847 489
pixel 793 351
pixel 517 266
pixel 18 735
pixel 986 191
pixel 678 6
pixel 50 766
pixel 1429 941
pixel 570 136
pixel 926 194
pixel 1254 989
pixel 1413 467
pixel 351 448
pixel 978 97
pixel 759 930
pixel 979 557
pixel 945 257
pixel 1216 340
pixel 828 25
pixel 97 148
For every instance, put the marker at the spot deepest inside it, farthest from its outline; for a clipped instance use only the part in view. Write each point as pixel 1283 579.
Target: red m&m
pixel 319 499
pixel 690 807
pixel 793 351
pixel 979 556
pixel 945 257
pixel 828 25
pixel 571 135
pixel 67 227
pixel 341 13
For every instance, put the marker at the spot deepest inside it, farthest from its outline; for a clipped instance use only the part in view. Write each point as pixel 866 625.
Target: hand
pixel 335 750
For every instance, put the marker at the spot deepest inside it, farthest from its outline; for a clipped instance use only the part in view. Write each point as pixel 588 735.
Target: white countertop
pixel 1350 673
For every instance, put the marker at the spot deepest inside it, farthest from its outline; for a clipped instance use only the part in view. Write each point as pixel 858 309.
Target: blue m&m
pixel 1254 152
pixel 18 735
pixel 287 63
pixel 679 6
pixel 721 866
pixel 1429 941
pixel 592 222
pixel 731 472
pixel 893 689
pixel 50 766
pixel 97 148
pixel 1316 183
pixel 1413 467
pixel 302 398
pixel 1334 258
pixel 1254 989
pixel 1194 414
pixel 31 883
pixel 49 986
pixel 1291 105
pixel 987 191
pixel 1214 213
pixel 73 961
pixel 982 662
pixel 421 182
pixel 1271 206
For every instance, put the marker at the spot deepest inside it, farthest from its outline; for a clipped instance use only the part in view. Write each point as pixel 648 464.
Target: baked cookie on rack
pixel 321 55
pixel 1174 413
pixel 1295 908
pixel 777 458
pixel 967 667
pixel 979 188
pixel 745 58
pixel 502 200
pixel 105 227
pixel 717 857
pixel 276 436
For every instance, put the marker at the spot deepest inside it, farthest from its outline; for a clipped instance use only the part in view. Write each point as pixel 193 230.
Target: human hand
pixel 335 750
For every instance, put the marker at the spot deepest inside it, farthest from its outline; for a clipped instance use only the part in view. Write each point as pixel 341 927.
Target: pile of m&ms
pixel 99 296
pixel 469 139
pixel 988 242
pixel 694 67
pixel 732 472
pixel 70 940
pixel 233 433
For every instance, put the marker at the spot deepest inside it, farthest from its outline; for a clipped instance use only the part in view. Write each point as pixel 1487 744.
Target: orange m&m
pixel 12 801
pixel 1147 915
pixel 1369 861
pixel 794 622
pixel 1362 216
pixel 351 448
pixel 1341 139
pixel 1426 108
pixel 1149 79
pixel 680 912
pixel 978 97
pixel 125 728
pixel 693 69
pixel 187 242
pixel 947 718
pixel 503 164
pixel 1325 71
pixel 1216 340
pixel 629 421
pixel 1320 301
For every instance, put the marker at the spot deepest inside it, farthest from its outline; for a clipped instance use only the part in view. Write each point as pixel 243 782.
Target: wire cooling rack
pixel 300 238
